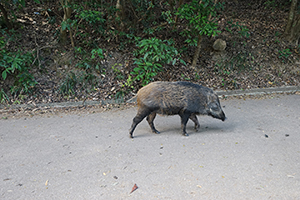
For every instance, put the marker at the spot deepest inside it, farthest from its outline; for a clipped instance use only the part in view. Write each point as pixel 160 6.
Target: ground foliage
pixel 256 55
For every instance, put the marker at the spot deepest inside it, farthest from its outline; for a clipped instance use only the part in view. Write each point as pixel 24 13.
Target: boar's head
pixel 214 107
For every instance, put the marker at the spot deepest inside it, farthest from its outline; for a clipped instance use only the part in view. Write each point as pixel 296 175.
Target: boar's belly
pixel 169 111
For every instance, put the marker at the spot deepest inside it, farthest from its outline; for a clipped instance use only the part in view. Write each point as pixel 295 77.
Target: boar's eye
pixel 214 107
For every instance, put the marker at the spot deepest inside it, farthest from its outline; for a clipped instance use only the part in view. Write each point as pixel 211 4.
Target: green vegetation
pixel 284 54
pixel 241 29
pixel 78 82
pixel 151 56
pixel 18 65
pixel 198 20
pixel 89 61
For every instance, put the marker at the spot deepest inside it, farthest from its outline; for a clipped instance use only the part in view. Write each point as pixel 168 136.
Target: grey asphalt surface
pixel 254 154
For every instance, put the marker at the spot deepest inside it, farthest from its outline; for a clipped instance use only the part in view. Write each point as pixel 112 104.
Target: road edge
pixel 220 93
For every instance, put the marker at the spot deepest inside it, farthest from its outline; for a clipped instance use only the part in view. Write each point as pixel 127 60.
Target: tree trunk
pixel 197 52
pixel 5 18
pixel 295 31
pixel 67 14
pixel 291 18
pixel 120 13
pixel 292 29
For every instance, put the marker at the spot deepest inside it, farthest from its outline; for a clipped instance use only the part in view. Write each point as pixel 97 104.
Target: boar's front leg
pixel 193 117
pixel 184 118
pixel 150 119
pixel 141 114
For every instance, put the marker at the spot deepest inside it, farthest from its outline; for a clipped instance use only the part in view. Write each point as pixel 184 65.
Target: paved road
pixel 255 154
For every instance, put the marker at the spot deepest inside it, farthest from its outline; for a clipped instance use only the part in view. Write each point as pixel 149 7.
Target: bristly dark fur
pixel 170 98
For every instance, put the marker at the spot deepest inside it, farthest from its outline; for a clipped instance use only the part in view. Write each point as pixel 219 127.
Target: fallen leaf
pixel 46 182
pixel 133 188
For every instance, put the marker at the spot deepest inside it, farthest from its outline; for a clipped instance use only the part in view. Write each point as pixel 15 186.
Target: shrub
pixel 152 55
pixel 17 64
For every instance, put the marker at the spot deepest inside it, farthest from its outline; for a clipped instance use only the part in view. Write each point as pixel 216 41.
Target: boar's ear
pixel 213 102
pixel 212 97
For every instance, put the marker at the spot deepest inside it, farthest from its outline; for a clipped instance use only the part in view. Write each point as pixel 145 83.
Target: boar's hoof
pixel 185 134
pixel 156 132
pixel 131 136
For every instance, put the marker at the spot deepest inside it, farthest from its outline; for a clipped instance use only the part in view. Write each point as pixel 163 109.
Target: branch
pixel 145 13
pixel 38 52
pixel 178 6
pixel 160 25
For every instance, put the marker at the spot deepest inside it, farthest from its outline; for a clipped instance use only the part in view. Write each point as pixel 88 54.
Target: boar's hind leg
pixel 137 119
pixel 150 119
pixel 184 118
pixel 193 117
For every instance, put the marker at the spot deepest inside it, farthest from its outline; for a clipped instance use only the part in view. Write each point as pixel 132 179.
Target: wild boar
pixel 176 98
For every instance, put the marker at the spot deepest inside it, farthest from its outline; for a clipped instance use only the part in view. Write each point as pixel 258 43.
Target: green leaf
pixel 159 65
pixel 64 25
pixel 22 2
pixel 136 69
pixel 148 64
pixel 4 74
pixel 182 61
pixel 146 55
pixel 174 61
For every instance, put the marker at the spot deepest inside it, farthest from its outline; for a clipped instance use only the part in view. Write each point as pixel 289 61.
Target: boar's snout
pixel 223 117
pixel 220 116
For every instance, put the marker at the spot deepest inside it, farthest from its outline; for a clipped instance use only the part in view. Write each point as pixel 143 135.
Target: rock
pixel 219 45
